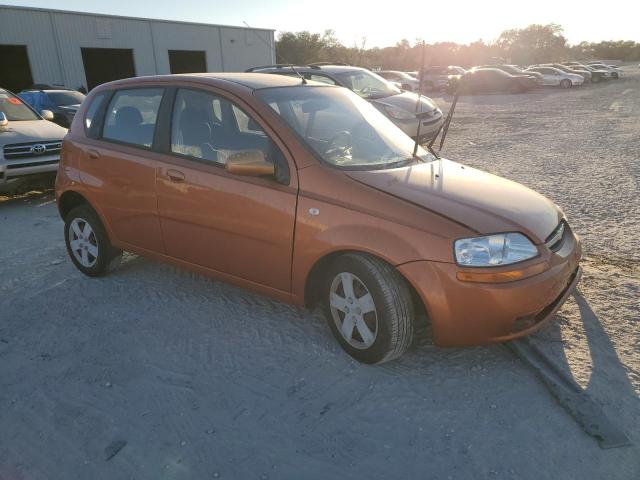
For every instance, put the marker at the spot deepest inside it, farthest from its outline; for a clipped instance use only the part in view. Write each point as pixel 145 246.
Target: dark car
pixel 492 80
pixel 437 78
pixel 513 70
pixel 64 103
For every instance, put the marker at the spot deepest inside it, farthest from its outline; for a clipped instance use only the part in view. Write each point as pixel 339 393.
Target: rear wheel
pixel 88 244
pixel 368 307
pixel 565 83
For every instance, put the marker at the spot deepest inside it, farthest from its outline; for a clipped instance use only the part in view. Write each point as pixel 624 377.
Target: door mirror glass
pixel 3 120
pixel 249 163
pixel 47 115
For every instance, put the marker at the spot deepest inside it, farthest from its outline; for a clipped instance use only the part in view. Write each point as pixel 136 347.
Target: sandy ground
pixel 155 373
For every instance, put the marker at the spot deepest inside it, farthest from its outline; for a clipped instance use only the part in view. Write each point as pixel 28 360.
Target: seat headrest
pixel 128 117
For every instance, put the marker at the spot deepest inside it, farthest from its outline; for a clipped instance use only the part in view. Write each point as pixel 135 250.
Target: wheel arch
pixel 314 277
pixel 69 200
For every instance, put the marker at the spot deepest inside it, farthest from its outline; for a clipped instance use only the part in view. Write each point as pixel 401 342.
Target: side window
pixel 207 127
pixel 321 78
pixel 245 123
pixel 131 116
pixel 93 109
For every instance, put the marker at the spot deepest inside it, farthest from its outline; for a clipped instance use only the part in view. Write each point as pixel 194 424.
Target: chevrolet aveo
pixel 307 193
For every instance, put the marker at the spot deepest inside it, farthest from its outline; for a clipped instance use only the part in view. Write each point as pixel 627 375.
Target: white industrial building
pixel 73 49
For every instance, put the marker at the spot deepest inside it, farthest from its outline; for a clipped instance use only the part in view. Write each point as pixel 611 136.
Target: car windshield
pixel 63 99
pixel 341 128
pixel 15 109
pixel 366 84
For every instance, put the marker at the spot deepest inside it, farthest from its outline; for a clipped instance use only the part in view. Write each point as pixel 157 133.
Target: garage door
pixel 103 65
pixel 15 71
pixel 187 61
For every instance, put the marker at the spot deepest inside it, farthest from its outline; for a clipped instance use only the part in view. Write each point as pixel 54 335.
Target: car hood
pixel 479 200
pixel 31 131
pixel 406 101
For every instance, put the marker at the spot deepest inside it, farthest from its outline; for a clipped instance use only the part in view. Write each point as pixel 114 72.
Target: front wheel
pixel 614 75
pixel 368 307
pixel 88 244
pixel 565 83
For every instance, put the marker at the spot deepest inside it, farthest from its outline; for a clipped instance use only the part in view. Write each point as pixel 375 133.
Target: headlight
pixel 399 113
pixel 494 250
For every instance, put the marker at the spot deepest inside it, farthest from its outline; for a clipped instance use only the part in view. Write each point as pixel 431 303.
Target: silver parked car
pixel 555 77
pixel 29 143
pixel 404 109
pixel 406 81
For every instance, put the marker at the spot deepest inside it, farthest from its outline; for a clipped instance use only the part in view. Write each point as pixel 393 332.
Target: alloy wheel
pixel 353 310
pixel 83 242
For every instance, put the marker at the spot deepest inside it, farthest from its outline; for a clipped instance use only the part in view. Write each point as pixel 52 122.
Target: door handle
pixel 93 154
pixel 176 176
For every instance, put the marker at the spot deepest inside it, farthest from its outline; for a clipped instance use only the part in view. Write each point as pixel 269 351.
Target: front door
pixel 240 226
pixel 117 168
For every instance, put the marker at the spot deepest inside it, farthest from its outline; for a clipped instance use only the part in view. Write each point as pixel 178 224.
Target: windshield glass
pixel 341 128
pixel 14 109
pixel 62 99
pixel 368 85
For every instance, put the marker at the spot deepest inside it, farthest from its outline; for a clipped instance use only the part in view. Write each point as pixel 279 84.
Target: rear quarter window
pixel 91 123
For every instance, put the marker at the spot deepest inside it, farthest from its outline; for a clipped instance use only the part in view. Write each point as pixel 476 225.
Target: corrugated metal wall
pixel 54 40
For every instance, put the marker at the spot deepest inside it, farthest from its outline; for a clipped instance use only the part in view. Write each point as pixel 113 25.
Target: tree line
pixel 525 46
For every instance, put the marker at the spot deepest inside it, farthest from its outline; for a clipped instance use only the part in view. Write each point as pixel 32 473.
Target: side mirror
pixel 249 163
pixel 47 115
pixel 4 121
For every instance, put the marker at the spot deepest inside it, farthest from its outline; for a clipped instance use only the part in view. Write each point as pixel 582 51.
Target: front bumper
pixel 428 128
pixel 468 313
pixel 11 169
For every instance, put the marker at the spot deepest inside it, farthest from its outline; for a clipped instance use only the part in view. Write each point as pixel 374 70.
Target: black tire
pixel 107 258
pixel 566 83
pixel 614 75
pixel 394 311
pixel 595 79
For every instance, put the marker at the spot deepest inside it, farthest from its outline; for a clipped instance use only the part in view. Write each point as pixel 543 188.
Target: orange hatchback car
pixel 305 192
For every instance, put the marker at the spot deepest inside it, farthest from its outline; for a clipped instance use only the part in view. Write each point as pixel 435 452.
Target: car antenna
pixel 415 146
pixel 304 80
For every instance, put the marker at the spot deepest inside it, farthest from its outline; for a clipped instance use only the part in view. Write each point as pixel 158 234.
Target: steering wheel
pixel 339 146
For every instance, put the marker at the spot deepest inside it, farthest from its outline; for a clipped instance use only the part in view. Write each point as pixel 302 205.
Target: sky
pixel 385 23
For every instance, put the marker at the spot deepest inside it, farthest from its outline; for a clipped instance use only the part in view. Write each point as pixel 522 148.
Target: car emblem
pixel 38 149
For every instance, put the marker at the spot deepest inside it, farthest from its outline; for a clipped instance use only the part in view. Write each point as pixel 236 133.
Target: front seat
pixel 128 126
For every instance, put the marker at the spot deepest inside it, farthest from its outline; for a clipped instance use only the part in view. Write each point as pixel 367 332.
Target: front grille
pixel 18 151
pixel 554 241
pixel 31 164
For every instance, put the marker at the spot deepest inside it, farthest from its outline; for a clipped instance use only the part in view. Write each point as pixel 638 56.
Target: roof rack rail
pixel 275 65
pixel 320 64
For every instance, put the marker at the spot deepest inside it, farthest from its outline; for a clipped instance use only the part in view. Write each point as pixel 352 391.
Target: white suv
pixel 29 143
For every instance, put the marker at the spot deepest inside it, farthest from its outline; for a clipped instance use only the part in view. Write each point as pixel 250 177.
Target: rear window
pixel 131 116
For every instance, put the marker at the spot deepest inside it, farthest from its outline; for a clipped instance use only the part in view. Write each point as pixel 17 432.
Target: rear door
pixel 117 167
pixel 240 226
